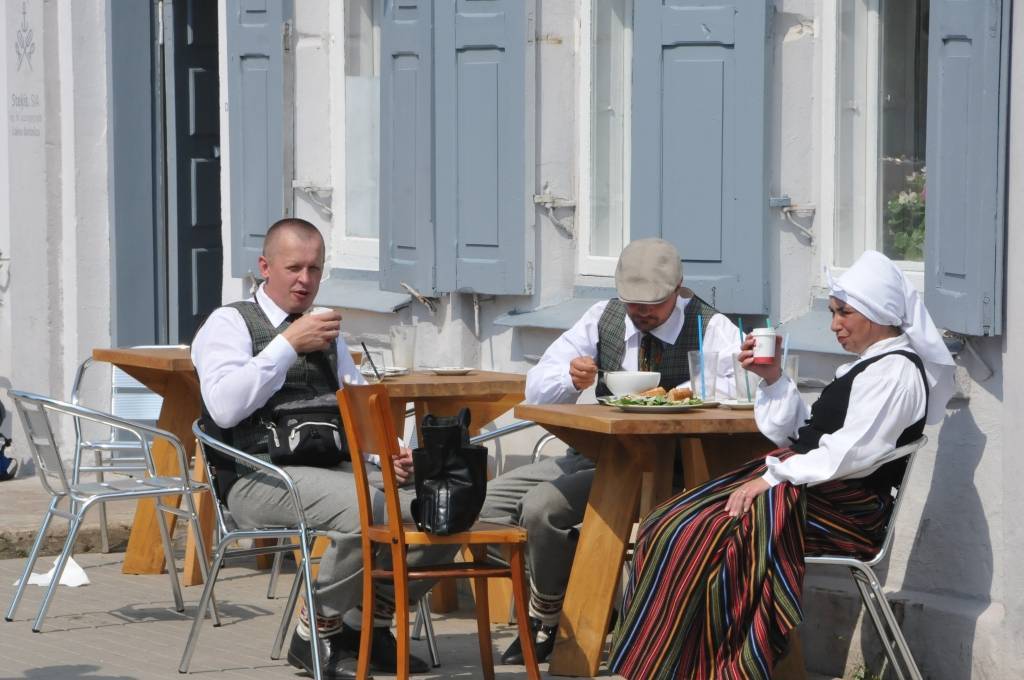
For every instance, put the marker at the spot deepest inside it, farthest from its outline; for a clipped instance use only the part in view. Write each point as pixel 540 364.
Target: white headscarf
pixel 876 288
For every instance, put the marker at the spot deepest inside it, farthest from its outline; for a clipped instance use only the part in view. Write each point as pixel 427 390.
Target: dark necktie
pixel 650 353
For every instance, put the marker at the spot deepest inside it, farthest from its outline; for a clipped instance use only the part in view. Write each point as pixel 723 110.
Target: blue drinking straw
pixel 700 349
pixel 746 374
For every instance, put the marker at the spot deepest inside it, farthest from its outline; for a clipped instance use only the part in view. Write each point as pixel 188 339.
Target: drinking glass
pixel 702 374
pixel 746 382
pixel 792 368
pixel 372 359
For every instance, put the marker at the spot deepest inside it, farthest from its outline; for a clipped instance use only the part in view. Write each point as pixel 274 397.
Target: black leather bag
pixel 450 474
pixel 307 432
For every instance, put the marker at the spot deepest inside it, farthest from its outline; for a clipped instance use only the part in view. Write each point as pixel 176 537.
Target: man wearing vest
pixel 254 355
pixel 650 326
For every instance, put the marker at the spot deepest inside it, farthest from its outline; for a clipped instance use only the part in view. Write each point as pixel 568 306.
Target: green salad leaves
pixel 635 400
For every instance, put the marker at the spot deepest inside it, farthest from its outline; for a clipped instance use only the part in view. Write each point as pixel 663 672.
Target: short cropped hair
pixel 300 227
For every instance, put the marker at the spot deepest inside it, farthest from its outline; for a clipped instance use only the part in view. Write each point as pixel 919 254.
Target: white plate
pixel 450 370
pixel 387 372
pixel 737 404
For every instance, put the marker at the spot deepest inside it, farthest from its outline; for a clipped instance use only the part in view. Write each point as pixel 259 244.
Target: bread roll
pixel 658 391
pixel 680 394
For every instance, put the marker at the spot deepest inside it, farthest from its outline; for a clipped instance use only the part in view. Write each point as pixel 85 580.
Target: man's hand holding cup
pixel 314 331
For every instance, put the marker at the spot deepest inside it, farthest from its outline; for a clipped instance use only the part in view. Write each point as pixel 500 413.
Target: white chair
pixel 36 412
pixel 867 582
pixel 113 453
pixel 229 534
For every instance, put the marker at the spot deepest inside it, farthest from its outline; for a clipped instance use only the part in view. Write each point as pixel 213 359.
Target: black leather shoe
pixel 338 663
pixel 383 650
pixel 543 643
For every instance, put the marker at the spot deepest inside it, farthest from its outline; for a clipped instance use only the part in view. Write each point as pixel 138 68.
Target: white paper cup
pixel 764 345
pixel 321 310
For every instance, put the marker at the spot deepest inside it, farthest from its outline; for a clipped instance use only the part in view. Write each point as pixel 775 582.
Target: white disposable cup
pixel 321 310
pixel 703 386
pixel 764 345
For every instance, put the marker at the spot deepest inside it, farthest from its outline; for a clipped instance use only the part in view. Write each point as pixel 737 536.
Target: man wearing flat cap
pixel 650 326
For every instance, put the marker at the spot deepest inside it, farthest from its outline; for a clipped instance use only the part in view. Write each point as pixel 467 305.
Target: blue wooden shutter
pixel 255 45
pixel 484 66
pixel 406 156
pixel 699 150
pixel 966 153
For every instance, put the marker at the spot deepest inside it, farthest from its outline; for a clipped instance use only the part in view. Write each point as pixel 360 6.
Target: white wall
pixel 54 291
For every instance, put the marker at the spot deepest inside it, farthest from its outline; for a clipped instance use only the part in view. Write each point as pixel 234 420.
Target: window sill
pixel 352 289
pixel 559 316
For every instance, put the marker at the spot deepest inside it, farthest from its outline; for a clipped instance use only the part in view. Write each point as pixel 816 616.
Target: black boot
pixel 543 643
pixel 337 663
pixel 383 650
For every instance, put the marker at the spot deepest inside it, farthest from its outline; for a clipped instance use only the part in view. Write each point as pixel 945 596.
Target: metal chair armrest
pixel 251 461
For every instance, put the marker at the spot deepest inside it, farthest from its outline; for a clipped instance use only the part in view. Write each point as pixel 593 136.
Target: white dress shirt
pixel 233 382
pixel 885 399
pixel 549 381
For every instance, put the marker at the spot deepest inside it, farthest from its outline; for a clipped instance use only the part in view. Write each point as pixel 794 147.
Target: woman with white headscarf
pixel 718 570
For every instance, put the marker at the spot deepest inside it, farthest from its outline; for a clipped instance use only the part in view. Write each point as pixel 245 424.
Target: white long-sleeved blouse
pixel 885 399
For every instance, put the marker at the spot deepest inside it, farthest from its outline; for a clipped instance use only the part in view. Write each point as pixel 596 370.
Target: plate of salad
pixel 631 403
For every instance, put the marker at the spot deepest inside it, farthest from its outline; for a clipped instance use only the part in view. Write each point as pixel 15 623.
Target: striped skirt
pixel 711 596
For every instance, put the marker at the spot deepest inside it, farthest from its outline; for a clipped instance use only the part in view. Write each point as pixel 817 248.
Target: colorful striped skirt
pixel 711 596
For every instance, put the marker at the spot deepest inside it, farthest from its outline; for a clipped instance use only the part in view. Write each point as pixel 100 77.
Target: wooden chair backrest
pixel 367 418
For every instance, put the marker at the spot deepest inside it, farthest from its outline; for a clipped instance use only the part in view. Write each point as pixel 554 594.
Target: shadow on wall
pixel 949 568
pixel 951 558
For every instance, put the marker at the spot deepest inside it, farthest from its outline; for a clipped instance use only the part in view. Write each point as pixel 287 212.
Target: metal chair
pixel 369 429
pixel 114 454
pixel 871 592
pixel 229 534
pixel 35 412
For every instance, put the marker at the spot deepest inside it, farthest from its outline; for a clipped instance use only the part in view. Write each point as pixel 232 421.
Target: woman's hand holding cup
pixel 770 372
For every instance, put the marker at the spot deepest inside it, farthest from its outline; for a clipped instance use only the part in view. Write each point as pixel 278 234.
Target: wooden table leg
pixel 145 553
pixel 611 510
pixel 203 501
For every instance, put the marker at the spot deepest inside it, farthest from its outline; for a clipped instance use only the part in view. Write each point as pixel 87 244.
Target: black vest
pixel 674 369
pixel 829 413
pixel 312 375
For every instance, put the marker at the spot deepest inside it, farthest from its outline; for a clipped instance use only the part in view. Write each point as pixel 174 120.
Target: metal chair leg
pixel 289 612
pixel 104 534
pixel 201 554
pixel 172 568
pixel 204 602
pixel 307 576
pixel 69 544
pixel 424 621
pixel 275 570
pixel 30 563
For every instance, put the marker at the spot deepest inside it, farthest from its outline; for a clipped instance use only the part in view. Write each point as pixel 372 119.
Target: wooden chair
pixel 368 426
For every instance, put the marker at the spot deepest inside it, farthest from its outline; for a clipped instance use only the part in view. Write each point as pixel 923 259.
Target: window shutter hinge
pixel 286 36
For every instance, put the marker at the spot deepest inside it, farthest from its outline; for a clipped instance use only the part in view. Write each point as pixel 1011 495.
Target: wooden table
pixel 167 371
pixel 634 456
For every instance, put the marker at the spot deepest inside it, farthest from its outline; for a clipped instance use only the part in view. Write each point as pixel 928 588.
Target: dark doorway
pixel 194 250
pixel 165 168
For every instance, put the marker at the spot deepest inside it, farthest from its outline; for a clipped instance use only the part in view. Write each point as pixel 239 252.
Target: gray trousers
pixel 547 498
pixel 328 497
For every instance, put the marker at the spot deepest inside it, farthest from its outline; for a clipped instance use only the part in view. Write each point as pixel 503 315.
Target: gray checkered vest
pixel 312 375
pixel 611 343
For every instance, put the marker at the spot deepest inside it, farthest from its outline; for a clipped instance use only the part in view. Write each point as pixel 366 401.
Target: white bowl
pixel 631 382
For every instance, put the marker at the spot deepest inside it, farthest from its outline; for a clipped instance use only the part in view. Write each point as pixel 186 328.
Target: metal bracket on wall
pixel 312 191
pixel 550 203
